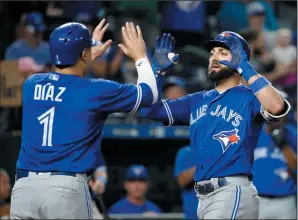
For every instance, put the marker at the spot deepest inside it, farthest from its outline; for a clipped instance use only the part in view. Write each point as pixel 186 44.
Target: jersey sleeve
pixel 183 161
pixel 169 112
pixel 258 110
pixel 110 97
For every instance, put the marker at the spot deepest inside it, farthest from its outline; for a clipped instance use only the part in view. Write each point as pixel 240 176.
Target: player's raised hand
pixel 97 36
pixel 133 43
pixel 164 56
pixel 239 60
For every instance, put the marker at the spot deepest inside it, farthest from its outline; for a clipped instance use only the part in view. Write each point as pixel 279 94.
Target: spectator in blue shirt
pixel 32 44
pixel 136 185
pixel 184 173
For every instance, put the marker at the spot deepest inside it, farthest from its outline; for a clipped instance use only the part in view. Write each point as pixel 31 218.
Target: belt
pixel 25 173
pixel 206 187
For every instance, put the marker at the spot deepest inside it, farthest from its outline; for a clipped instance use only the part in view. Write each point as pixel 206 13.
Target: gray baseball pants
pixel 238 199
pixel 46 196
pixel 278 208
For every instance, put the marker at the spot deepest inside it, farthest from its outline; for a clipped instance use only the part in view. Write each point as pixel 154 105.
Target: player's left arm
pixel 274 106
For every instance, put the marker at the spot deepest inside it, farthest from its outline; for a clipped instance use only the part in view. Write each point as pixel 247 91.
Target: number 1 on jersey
pixel 47 120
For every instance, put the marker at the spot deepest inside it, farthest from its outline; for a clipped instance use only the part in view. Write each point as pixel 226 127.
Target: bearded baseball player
pixel 63 118
pixel 224 124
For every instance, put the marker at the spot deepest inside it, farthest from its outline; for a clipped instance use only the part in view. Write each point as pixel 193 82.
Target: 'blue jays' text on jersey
pixel 223 128
pixel 270 169
pixel 184 161
pixel 63 118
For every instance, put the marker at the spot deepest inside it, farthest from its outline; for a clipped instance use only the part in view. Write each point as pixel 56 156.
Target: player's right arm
pixel 169 112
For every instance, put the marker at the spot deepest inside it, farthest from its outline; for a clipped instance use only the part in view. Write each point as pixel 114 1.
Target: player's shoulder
pixel 243 91
pixel 104 83
pixel 35 78
pixel 108 86
pixel 196 95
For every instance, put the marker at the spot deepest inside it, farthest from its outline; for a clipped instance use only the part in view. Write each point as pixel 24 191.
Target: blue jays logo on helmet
pixel 228 39
pixel 227 138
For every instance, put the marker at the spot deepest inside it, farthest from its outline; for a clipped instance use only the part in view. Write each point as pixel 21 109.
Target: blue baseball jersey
pixel 185 160
pixel 124 206
pixel 224 128
pixel 270 169
pixel 63 118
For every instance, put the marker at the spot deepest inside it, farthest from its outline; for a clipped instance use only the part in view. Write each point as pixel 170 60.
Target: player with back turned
pixel 63 118
pixel 224 124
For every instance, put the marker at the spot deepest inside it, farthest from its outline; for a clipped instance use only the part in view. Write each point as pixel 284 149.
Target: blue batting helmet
pixel 226 40
pixel 68 41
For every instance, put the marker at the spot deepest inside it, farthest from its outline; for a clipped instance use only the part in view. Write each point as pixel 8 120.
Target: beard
pixel 224 73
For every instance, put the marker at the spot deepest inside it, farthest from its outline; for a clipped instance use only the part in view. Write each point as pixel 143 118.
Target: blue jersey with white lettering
pixel 63 118
pixel 184 161
pixel 270 169
pixel 224 128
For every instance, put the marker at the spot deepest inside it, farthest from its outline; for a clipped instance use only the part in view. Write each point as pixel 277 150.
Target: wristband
pixel 102 179
pixel 246 71
pixel 259 84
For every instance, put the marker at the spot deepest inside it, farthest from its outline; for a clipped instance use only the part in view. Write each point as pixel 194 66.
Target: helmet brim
pixel 209 45
pixel 96 43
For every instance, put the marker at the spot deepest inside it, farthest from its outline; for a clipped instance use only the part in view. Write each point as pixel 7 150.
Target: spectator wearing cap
pixel 136 185
pixel 232 15
pixel 32 44
pixel 174 88
pixel 256 16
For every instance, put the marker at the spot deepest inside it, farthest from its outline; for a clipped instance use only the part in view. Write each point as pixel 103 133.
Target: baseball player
pixel 224 124
pixel 273 179
pixel 63 118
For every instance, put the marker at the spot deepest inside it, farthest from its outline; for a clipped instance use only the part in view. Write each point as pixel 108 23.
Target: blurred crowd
pixel 270 27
